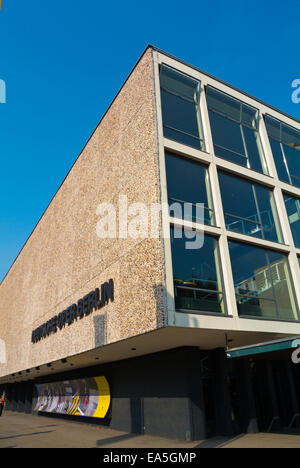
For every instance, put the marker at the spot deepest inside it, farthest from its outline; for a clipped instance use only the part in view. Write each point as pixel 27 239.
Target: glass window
pixel 285 145
pixel 197 275
pixel 262 281
pixel 249 208
pixel 293 210
pixel 180 108
pixel 188 183
pixel 234 127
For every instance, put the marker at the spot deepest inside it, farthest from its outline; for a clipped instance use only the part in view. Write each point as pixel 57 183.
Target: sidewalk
pixel 19 430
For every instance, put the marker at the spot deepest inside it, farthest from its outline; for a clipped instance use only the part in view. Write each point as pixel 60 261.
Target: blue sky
pixel 64 61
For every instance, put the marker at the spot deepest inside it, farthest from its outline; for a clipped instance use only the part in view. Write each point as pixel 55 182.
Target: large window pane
pixel 292 157
pixel 293 210
pixel 180 120
pixel 262 283
pixel 234 127
pixel 285 145
pixel 197 275
pixel 180 107
pixel 228 139
pixel 223 104
pixel 249 208
pixel 188 183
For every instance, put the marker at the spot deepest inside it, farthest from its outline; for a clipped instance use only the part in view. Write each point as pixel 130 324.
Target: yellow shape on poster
pixel 104 397
pixel 74 405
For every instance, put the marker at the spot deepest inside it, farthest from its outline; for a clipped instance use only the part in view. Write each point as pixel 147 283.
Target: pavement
pixel 19 430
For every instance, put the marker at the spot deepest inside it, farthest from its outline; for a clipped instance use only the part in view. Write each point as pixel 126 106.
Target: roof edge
pixel 235 88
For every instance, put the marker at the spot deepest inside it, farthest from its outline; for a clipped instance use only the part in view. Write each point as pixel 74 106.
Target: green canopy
pixel 268 347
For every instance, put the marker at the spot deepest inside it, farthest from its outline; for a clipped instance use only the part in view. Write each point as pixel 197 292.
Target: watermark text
pixel 296 92
pixel 140 221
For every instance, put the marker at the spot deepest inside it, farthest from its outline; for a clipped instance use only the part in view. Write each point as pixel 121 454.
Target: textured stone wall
pixel 64 259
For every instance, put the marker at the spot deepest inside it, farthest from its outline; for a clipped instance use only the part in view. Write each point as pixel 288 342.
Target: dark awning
pixel 268 347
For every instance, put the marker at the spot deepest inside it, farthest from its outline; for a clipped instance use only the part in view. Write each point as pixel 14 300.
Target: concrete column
pixel 224 424
pixel 295 369
pixel 14 397
pixel 137 415
pixel 295 421
pixel 248 417
pixel 265 380
pixel 195 386
pixel 8 396
pixel 21 397
pixel 28 397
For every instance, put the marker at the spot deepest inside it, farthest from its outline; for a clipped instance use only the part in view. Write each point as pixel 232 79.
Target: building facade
pixel 153 306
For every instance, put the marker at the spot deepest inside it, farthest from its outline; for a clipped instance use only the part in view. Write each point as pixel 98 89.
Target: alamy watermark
pixel 2 92
pixel 296 352
pixel 296 92
pixel 141 221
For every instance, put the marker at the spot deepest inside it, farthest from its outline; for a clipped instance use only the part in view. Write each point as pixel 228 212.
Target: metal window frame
pixel 241 102
pixel 175 223
pixel 259 222
pixel 199 138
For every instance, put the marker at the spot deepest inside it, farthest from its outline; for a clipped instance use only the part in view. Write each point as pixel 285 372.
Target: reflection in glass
pixel 180 107
pixel 188 182
pixel 293 210
pixel 249 208
pixel 285 145
pixel 262 281
pixel 234 127
pixel 197 275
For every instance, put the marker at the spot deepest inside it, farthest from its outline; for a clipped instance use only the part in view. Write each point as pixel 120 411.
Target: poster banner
pixel 82 397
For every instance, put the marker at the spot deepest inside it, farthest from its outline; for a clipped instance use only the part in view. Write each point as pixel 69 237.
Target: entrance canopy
pixel 262 348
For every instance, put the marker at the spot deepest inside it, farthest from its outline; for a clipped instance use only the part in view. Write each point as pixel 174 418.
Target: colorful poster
pixel 82 397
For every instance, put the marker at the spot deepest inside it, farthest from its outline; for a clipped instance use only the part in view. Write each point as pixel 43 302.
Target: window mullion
pixel 286 164
pixel 245 146
pixel 257 209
